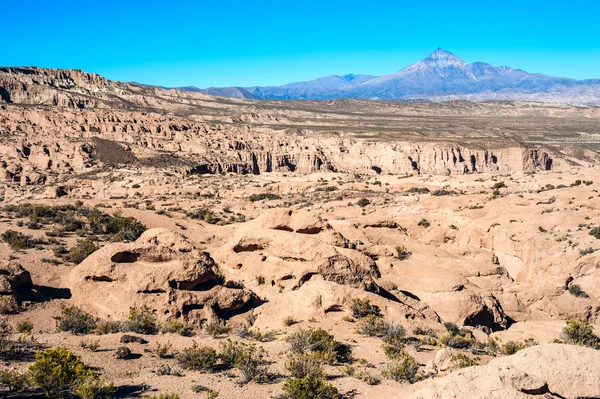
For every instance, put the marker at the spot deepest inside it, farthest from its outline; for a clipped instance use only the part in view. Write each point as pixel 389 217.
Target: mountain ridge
pixel 439 75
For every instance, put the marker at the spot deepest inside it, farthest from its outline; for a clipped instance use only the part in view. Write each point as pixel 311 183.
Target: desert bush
pixel 81 250
pixel 369 379
pixel 202 358
pixel 372 326
pixel 512 347
pixel 164 396
pixel 229 351
pixel 402 368
pixel 166 369
pixel 162 351
pixel 393 334
pixel 127 339
pixel 289 321
pixel 120 228
pixel 14 381
pixel 302 365
pixel 249 361
pixel 461 361
pixel 418 190
pixel 442 192
pixel 456 341
pixel 177 327
pixel 425 331
pixel 580 332
pixel 142 320
pixel 402 253
pixel 362 307
pixel 18 241
pixel 122 353
pixel 323 345
pixel 92 344
pixel 452 328
pixel 309 387
pixel 263 196
pixel 24 327
pixel 214 328
pixel 595 232
pixel 94 387
pixel 424 223
pixel 60 374
pixel 75 320
pixel 208 393
pixel 576 290
pixel 363 202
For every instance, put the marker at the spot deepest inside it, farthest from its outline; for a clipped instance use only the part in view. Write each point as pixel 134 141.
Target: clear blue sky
pixel 242 43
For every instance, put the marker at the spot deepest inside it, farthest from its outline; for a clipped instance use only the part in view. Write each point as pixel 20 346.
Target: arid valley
pixel 198 246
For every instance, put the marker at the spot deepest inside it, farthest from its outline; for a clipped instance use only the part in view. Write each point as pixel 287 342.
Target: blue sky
pixel 242 43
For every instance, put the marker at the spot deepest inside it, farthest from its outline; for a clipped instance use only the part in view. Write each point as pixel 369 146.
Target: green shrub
pixel 456 341
pixel 214 328
pixel 94 387
pixel 142 320
pixel 81 250
pixel 75 320
pixel 165 396
pixel 249 361
pixel 14 381
pixel 323 345
pixel 461 361
pixel 161 351
pixel 302 365
pixel 402 368
pixel 61 374
pixel 402 253
pixel 424 223
pixel 512 347
pixel 576 290
pixel 263 196
pixel 289 321
pixel 24 327
pixel 18 241
pixel 372 326
pixel 120 228
pixel 362 308
pixel 177 327
pixel 309 387
pixel 230 351
pixel 122 353
pixel 595 232
pixel 580 332
pixel 442 192
pixel 202 358
pixel 363 202
pixel 451 328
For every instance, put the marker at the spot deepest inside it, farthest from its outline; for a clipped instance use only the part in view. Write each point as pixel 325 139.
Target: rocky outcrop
pixel 161 270
pixel 526 374
pixel 15 285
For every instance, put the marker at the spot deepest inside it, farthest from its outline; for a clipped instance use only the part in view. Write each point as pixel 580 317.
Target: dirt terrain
pixel 474 226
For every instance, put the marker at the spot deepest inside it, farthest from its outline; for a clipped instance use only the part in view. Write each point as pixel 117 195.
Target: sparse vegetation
pixel 61 374
pixel 75 320
pixel 309 387
pixel 402 253
pixel 362 308
pixel 263 196
pixel 580 332
pixel 201 358
pixel 142 321
pixel 576 290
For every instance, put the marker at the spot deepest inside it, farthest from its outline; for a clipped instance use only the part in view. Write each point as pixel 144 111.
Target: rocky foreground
pixel 357 248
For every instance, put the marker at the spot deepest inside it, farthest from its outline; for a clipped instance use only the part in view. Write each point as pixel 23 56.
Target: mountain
pixel 440 76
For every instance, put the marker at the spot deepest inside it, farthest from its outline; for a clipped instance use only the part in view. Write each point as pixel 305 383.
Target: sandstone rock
pixel 162 270
pixel 557 370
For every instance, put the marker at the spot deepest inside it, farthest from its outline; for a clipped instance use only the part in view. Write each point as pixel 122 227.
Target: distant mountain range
pixel 440 76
